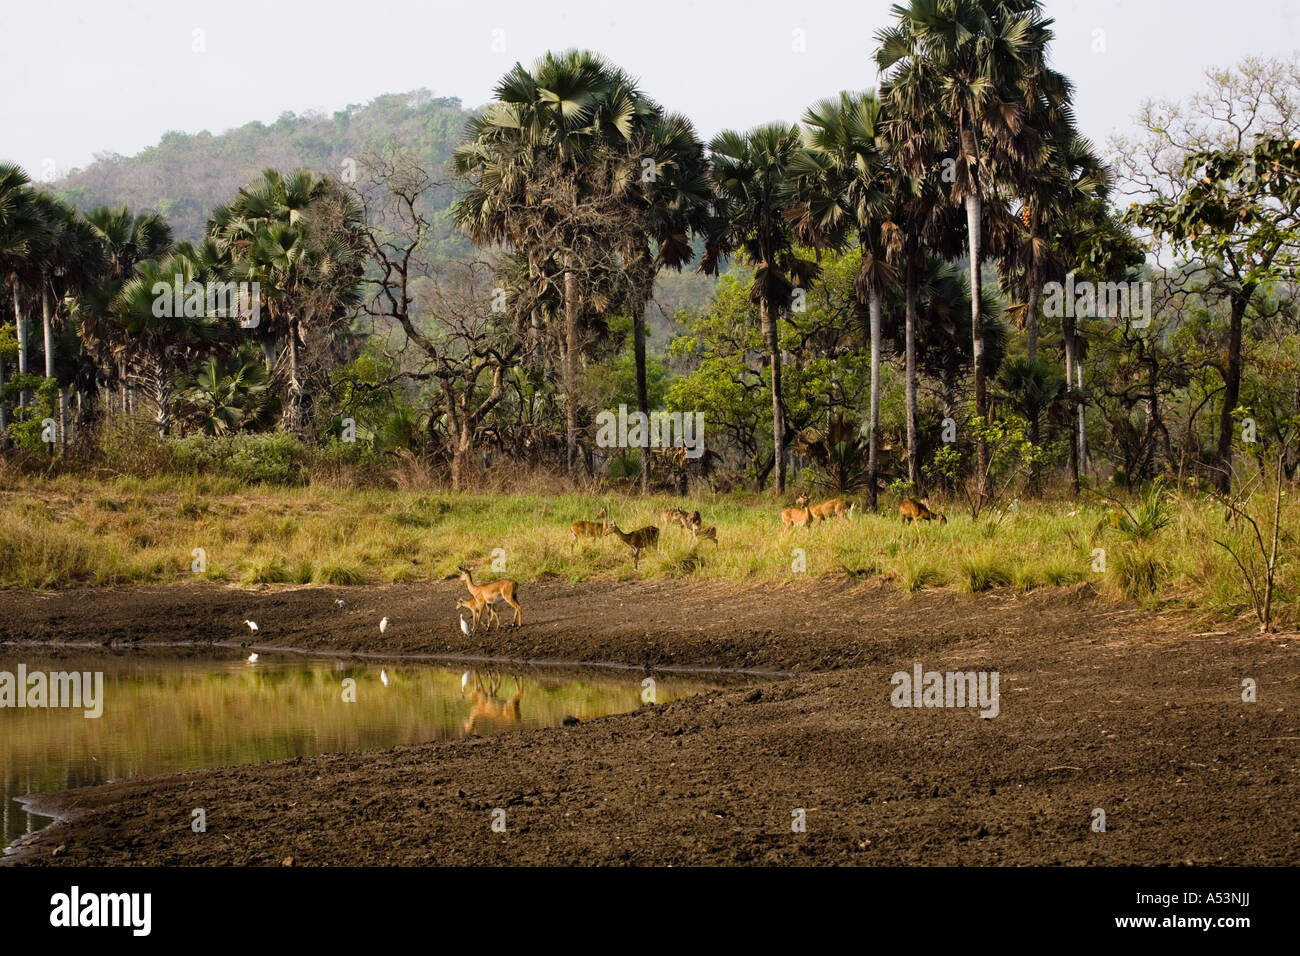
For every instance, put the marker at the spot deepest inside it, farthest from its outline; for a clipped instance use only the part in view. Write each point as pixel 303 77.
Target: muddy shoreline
pixel 1101 707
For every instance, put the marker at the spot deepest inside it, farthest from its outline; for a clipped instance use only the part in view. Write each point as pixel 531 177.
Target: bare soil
pixel 1102 707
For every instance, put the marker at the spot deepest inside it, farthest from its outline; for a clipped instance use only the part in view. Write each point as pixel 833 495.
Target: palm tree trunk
pixel 1085 461
pixel 570 365
pixel 873 439
pixel 48 328
pixel 1031 329
pixel 642 389
pixel 778 421
pixel 913 452
pixel 974 213
pixel 21 327
pixel 1068 323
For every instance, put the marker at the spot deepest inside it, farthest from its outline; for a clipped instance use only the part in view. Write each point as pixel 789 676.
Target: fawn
pixel 488 594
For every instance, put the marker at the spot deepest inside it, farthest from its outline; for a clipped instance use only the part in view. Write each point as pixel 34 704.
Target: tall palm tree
pixel 539 180
pixel 670 201
pixel 841 178
pixel 754 187
pixel 21 233
pixel 1069 176
pixel 985 59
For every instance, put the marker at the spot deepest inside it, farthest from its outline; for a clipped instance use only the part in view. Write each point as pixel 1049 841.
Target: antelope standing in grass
pixel 834 508
pixel 488 594
pixel 672 516
pixel 638 540
pixel 909 509
pixel 590 529
pixel 800 516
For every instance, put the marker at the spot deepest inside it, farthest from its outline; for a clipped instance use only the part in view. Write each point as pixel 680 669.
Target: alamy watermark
pixel 195 299
pixel 946 689
pixel 79 689
pixel 1088 300
pixel 656 430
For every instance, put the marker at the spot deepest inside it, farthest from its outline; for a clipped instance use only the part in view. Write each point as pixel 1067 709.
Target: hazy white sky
pixel 82 77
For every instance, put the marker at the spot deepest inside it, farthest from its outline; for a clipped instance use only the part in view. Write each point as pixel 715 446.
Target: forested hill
pixel 185 176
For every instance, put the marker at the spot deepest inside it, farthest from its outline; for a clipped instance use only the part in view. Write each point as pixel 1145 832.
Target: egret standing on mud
pixel 464 628
pixel 383 625
pixel 252 625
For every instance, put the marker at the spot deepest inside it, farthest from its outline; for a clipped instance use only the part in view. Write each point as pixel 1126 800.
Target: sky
pixel 111 76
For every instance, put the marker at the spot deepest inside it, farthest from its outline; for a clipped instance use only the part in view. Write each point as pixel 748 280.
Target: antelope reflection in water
pixel 487 706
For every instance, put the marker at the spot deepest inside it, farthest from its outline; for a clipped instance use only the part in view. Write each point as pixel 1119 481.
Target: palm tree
pixel 557 170
pixel 842 181
pixel 671 200
pixel 226 396
pixel 985 60
pixel 1070 175
pixel 124 239
pixel 299 238
pixel 21 234
pixel 158 345
pixel 527 162
pixel 754 187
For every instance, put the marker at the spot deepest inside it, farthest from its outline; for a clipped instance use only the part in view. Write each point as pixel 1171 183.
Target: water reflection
pixel 163 715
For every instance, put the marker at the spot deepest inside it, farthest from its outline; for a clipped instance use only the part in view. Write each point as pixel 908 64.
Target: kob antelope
pixel 800 516
pixel 834 508
pixel 687 519
pixel 638 540
pixel 590 529
pixel 488 594
pixel 912 510
pixel 475 606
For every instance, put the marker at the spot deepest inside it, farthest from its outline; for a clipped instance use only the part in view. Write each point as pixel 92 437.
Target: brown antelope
pixel 912 510
pixel 590 529
pixel 475 607
pixel 695 525
pixel 710 533
pixel 672 516
pixel 488 594
pixel 834 508
pixel 800 516
pixel 638 540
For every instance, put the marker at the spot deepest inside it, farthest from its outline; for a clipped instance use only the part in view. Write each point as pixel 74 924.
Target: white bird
pixel 464 678
pixel 339 602
pixel 383 677
pixel 383 625
pixel 252 625
pixel 252 658
pixel 464 627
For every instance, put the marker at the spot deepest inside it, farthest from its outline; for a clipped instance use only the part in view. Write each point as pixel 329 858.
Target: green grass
pixel 62 531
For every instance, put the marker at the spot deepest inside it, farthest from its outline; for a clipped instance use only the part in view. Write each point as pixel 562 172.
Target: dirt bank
pixel 1100 707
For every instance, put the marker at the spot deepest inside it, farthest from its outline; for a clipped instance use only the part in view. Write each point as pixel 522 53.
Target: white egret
pixel 252 625
pixel 464 627
pixel 383 625
pixel 252 658
pixel 383 677
pixel 339 602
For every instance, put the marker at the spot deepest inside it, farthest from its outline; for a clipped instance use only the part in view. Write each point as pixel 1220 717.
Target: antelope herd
pixel 483 597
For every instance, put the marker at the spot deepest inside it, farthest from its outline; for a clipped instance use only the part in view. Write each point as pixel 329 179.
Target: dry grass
pixel 63 531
